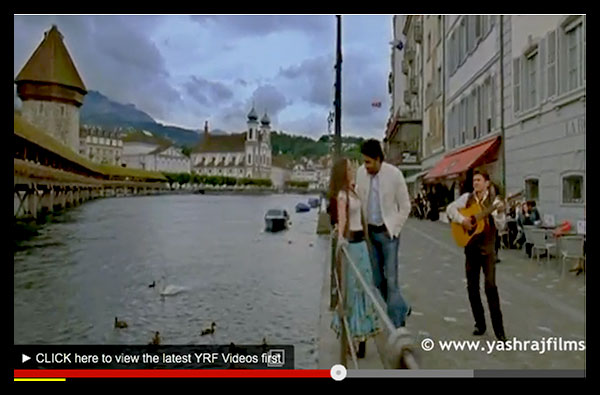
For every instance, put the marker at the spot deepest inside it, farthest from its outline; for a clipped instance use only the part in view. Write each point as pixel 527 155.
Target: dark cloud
pixel 363 85
pixel 206 92
pixel 232 118
pixel 313 125
pixel 113 54
pixel 315 78
pixel 121 57
pixel 259 25
pixel 269 98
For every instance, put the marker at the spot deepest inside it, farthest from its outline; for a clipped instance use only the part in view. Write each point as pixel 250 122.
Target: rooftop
pixel 51 63
pixel 226 143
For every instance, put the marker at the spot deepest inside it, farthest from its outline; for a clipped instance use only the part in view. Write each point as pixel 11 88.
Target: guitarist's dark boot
pixel 479 331
pixel 362 349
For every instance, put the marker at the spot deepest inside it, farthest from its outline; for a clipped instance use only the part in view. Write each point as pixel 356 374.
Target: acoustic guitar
pixel 477 214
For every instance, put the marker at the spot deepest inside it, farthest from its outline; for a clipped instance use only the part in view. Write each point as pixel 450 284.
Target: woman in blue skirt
pixel 358 307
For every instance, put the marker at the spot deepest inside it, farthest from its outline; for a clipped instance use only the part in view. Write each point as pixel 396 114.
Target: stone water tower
pixel 51 90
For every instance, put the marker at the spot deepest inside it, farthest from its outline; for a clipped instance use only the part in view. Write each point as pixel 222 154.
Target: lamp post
pixel 338 91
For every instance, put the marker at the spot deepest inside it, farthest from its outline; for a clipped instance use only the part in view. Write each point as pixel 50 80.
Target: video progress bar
pixel 366 373
pixel 438 373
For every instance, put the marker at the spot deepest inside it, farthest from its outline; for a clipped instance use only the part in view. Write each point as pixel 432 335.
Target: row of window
pixel 474 116
pixel 553 66
pixel 222 171
pixel 465 37
pixel 572 189
pixel 171 161
pixel 49 108
pixel 103 141
pixel 439 34
pixel 263 160
pixel 100 152
pixel 254 134
pixel 434 90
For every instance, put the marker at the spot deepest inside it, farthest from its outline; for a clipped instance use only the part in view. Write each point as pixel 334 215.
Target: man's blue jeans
pixel 384 258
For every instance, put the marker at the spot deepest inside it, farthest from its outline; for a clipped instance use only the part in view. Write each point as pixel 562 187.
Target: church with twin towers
pixel 241 155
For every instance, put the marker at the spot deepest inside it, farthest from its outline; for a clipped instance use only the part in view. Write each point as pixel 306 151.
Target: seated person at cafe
pixel 522 214
pixel 528 216
pixel 534 214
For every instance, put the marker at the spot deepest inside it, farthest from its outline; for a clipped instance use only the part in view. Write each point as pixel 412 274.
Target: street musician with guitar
pixel 474 228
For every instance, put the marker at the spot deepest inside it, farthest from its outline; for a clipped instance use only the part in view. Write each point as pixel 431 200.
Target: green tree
pixel 171 178
pixel 183 178
pixel 186 150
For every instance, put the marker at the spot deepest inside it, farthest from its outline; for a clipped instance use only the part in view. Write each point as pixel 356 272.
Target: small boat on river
pixel 302 208
pixel 276 220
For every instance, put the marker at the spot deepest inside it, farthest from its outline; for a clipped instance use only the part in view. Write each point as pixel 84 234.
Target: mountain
pixel 99 110
pixel 296 147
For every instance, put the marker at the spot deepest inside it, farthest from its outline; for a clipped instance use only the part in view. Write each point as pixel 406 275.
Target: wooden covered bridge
pixel 49 175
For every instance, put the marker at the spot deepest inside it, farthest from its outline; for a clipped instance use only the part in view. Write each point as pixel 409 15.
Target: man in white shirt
pixel 386 206
pixel 480 253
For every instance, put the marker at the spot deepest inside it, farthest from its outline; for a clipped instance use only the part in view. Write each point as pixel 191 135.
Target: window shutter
pixel 517 84
pixel 584 28
pixel 479 122
pixel 493 104
pixel 542 71
pixel 484 24
pixel 551 63
pixel 478 19
pixel 562 62
pixel 471 34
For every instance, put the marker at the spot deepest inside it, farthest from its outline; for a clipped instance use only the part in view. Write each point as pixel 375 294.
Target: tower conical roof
pixel 51 63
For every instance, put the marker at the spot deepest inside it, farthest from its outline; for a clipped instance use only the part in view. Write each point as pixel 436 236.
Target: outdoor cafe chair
pixel 537 237
pixel 571 247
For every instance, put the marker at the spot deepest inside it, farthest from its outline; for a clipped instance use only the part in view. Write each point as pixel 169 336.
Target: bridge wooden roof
pixel 27 131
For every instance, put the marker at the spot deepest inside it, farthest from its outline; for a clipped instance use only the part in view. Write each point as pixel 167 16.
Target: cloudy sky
pixel 183 70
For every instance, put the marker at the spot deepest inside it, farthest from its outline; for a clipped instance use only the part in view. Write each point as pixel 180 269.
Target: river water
pixel 209 253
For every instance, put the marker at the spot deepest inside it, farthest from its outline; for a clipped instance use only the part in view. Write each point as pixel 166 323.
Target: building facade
pixel 52 90
pixel 471 102
pixel 143 150
pixel 545 112
pixel 433 100
pixel 100 145
pixel 403 138
pixel 513 101
pixel 239 155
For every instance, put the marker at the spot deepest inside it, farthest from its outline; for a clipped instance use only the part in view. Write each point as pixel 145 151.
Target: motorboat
pixel 302 208
pixel 313 202
pixel 276 220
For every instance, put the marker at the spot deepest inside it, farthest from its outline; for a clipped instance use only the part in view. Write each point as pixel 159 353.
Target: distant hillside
pixel 99 110
pixel 296 147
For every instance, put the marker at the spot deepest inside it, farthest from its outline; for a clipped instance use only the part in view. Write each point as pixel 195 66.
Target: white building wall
pixel 473 85
pixel 548 141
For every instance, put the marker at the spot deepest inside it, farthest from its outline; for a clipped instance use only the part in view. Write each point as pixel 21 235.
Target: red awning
pixel 462 160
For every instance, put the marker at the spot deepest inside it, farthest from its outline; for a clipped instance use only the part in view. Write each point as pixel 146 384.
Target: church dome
pixel 265 119
pixel 252 115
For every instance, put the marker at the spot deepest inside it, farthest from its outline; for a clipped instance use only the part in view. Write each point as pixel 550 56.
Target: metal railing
pixel 393 344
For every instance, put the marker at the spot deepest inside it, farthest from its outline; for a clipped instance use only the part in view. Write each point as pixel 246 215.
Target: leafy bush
pixel 297 184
